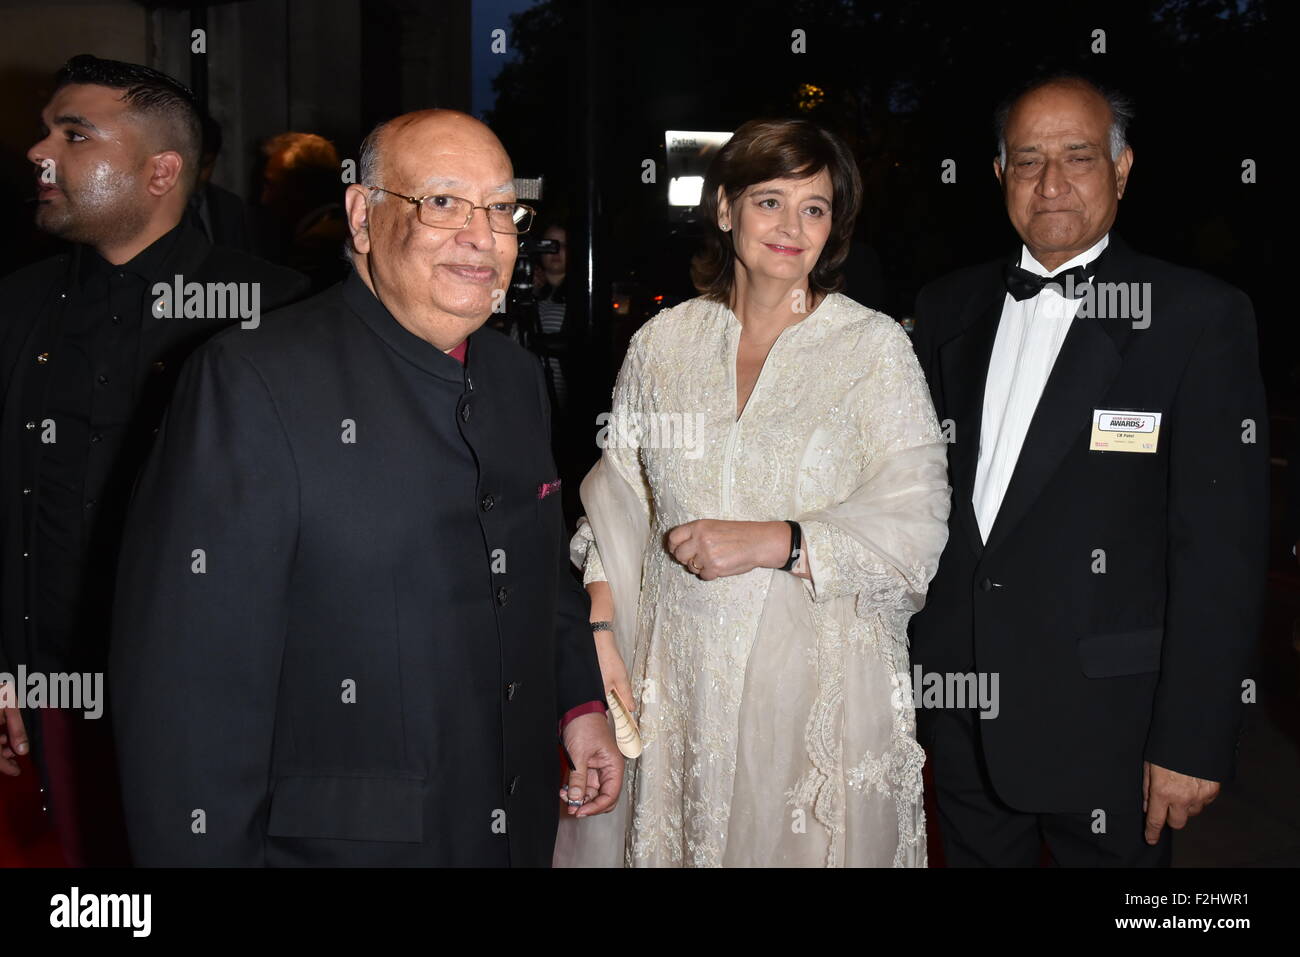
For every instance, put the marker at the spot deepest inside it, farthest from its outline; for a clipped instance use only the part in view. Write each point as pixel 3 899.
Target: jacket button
pixel 486 502
pixel 27 491
pixel 511 689
pixel 514 783
pixel 30 425
pixel 464 412
pixel 502 594
pixel 986 584
pixel 42 358
pixel 96 437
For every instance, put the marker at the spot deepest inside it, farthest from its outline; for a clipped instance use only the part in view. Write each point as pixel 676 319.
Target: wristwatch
pixel 796 540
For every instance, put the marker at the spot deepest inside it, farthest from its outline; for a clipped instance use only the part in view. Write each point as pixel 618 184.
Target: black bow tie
pixel 1023 284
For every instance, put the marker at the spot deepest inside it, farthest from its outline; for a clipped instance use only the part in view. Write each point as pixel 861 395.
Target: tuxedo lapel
pixel 964 365
pixel 1088 362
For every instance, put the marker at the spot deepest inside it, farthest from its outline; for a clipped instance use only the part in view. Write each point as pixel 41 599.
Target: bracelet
pixel 602 626
pixel 796 540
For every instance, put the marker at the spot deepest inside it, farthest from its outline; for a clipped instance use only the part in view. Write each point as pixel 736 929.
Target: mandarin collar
pixel 420 353
pixel 148 264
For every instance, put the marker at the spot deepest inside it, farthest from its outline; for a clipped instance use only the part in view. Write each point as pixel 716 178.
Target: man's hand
pixel 13 735
pixel 597 774
pixel 1169 797
pixel 713 549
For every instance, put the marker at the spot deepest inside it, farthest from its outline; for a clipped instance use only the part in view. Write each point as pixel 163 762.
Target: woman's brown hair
pixel 762 150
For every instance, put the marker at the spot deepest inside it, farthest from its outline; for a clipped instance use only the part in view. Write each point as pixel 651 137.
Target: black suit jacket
pixel 1099 670
pixel 31 301
pixel 370 665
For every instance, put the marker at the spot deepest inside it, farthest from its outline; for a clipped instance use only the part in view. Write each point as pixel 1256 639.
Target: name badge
pixel 1114 430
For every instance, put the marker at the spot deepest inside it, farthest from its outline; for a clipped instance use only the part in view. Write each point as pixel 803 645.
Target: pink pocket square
pixel 546 488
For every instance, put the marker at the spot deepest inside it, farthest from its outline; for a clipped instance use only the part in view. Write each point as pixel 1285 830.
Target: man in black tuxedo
pixel 346 630
pixel 1108 536
pixel 87 365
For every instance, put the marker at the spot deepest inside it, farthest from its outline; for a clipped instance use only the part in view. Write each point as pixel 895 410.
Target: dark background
pixel 910 85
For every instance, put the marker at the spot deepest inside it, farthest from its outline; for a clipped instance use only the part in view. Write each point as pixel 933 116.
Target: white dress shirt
pixel 1029 337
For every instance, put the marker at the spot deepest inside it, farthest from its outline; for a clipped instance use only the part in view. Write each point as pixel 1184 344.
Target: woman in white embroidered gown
pixel 775 706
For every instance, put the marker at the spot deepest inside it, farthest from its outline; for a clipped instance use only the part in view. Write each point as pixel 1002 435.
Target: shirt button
pixel 464 412
pixel 486 502
pixel 102 380
pixel 27 491
pixel 511 689
pixel 502 594
pixel 96 437
pixel 117 320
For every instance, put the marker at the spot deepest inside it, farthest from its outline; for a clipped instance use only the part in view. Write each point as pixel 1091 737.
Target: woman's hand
pixel 613 671
pixel 713 549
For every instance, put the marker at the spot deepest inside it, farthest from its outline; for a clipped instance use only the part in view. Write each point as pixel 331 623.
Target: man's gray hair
pixel 368 166
pixel 1121 111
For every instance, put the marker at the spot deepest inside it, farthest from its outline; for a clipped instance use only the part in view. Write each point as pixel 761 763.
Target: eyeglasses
pixel 452 212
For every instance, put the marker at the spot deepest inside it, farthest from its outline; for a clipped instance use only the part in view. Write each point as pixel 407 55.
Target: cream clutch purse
pixel 626 733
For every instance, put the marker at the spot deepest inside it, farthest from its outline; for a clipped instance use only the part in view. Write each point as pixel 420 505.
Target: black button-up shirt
pixel 91 399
